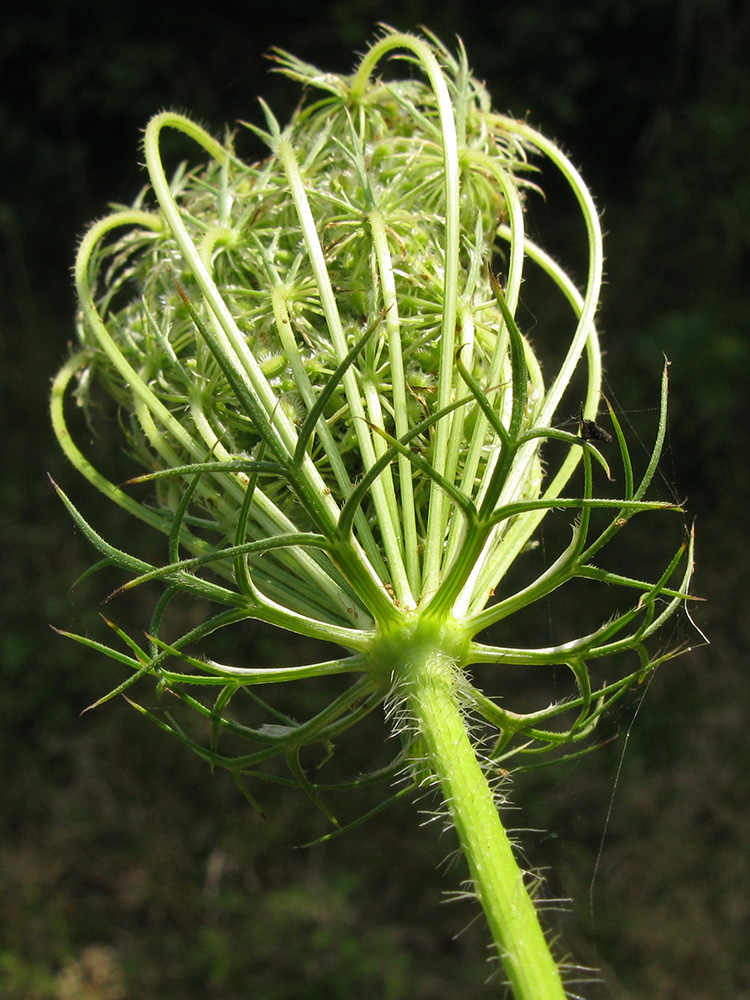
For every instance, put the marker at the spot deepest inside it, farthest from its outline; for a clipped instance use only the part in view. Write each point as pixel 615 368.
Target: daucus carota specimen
pixel 319 368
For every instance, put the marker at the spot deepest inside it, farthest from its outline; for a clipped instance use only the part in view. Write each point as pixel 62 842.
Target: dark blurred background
pixel 127 870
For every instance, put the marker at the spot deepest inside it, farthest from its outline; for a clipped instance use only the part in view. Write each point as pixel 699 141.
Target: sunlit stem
pixel 433 691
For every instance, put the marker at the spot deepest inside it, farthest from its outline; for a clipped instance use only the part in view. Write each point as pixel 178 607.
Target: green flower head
pixel 320 370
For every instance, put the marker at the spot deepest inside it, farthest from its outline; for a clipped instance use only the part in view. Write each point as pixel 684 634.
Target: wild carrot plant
pixel 320 370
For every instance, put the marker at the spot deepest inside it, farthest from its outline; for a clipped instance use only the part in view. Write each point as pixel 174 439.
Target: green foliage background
pixel 126 869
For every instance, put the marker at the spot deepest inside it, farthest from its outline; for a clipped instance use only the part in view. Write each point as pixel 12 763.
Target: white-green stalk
pixel 318 364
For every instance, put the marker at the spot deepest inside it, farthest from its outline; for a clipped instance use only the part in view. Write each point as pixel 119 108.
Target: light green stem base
pixel 431 681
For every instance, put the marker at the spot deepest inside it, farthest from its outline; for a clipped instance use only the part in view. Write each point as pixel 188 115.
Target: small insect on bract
pixel 591 431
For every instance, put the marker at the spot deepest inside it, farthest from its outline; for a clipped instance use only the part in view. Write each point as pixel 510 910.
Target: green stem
pixel 432 682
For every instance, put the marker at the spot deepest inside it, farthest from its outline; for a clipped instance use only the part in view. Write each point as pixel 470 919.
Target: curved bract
pixel 319 367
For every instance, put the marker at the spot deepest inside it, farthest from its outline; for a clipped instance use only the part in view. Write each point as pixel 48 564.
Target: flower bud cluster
pixel 371 161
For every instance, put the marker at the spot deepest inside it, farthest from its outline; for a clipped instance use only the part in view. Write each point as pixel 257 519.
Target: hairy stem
pixel 498 882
